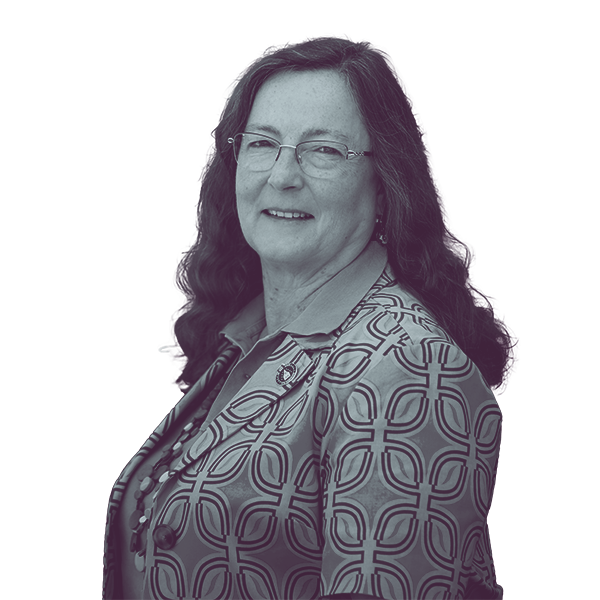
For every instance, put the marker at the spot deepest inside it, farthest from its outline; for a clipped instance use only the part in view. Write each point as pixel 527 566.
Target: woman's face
pixel 334 217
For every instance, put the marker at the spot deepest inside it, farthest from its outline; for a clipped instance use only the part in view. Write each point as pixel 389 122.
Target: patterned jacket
pixel 361 459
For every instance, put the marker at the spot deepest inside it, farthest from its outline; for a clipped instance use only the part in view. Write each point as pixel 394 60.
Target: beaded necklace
pixel 150 476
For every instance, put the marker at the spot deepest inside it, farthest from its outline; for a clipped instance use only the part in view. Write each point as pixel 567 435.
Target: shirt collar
pixel 328 310
pixel 245 329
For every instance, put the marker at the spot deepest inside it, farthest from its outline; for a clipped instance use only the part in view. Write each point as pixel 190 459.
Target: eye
pixel 327 150
pixel 260 143
pixel 323 152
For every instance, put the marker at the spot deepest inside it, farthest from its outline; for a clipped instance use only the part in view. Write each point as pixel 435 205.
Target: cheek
pixel 353 211
pixel 360 198
pixel 247 188
pixel 242 194
pixel 239 185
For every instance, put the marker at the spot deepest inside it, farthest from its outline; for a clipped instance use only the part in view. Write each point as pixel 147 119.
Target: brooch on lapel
pixel 286 373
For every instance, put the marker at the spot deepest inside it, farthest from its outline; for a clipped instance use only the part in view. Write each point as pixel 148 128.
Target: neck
pixel 284 301
pixel 287 294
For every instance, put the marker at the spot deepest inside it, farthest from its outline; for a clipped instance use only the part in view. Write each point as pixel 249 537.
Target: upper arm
pixel 409 467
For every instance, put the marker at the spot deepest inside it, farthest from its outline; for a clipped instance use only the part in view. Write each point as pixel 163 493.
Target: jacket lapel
pixel 195 395
pixel 286 368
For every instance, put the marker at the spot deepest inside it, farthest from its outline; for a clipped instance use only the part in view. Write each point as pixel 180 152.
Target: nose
pixel 286 172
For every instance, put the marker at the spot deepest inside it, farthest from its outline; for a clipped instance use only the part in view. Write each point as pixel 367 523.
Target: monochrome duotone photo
pixel 316 382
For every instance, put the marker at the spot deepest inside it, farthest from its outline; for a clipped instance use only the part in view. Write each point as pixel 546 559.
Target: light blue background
pixel 145 77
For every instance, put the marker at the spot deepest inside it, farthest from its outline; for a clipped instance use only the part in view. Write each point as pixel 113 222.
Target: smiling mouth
pixel 292 215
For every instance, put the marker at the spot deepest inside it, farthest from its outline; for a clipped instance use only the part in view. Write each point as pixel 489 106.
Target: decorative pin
pixel 286 373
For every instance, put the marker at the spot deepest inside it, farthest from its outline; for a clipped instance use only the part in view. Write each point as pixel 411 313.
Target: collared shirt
pixel 353 451
pixel 312 329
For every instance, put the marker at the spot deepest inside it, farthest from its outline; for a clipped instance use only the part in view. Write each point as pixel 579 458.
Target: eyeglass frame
pixel 350 154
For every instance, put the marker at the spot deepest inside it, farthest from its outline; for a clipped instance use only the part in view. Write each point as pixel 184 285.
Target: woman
pixel 338 437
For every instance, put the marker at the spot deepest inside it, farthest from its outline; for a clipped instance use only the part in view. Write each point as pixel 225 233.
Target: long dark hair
pixel 221 273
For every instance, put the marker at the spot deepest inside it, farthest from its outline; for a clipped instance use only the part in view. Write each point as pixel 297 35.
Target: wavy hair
pixel 221 273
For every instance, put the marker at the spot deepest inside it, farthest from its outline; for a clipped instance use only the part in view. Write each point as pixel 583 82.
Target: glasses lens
pixel 255 152
pixel 322 159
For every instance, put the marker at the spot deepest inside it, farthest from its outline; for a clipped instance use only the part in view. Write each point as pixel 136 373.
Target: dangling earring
pixel 379 231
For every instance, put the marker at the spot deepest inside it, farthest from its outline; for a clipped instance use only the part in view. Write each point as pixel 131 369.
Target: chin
pixel 282 253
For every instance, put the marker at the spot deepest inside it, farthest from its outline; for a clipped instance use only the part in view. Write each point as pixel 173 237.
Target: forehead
pixel 297 104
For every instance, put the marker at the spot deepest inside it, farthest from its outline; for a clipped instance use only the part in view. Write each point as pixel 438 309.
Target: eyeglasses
pixel 319 158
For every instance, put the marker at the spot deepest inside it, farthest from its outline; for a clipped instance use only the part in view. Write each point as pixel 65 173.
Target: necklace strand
pixel 151 476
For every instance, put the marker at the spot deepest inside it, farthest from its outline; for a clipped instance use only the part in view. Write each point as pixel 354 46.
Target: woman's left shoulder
pixel 389 312
pixel 391 339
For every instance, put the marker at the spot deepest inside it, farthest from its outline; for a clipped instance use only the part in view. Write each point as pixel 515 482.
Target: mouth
pixel 293 215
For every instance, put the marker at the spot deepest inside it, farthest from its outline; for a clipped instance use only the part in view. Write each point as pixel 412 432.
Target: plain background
pixel 144 79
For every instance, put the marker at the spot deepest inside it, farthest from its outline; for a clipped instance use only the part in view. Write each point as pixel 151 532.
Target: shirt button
pixel 164 537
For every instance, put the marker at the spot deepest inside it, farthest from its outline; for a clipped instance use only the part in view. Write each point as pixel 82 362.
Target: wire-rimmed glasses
pixel 317 158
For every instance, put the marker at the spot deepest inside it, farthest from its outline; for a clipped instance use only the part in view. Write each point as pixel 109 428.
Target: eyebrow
pixel 308 134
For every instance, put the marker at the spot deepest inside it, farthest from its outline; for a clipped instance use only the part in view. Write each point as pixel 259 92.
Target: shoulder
pixel 389 314
pixel 391 343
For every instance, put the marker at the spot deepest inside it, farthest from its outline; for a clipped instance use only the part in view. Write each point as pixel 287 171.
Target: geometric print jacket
pixel 359 460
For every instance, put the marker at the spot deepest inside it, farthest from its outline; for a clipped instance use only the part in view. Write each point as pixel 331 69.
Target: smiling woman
pixel 338 200
pixel 338 437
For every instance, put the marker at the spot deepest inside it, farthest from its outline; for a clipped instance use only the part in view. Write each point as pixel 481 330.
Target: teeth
pixel 288 215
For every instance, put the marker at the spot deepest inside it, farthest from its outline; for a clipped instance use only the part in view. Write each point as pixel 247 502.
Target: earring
pixel 379 231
